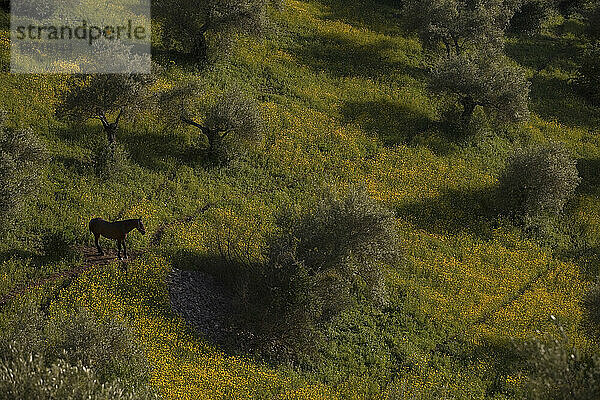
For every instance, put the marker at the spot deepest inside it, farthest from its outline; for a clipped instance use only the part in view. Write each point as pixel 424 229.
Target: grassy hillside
pixel 344 95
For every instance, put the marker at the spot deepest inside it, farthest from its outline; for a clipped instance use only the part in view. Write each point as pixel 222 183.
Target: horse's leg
pixel 96 237
pixel 124 250
pixel 119 248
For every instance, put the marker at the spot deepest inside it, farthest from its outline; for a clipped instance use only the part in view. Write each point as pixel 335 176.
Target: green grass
pixel 345 100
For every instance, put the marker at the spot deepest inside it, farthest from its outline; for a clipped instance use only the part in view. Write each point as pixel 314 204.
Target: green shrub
pixel 22 156
pixel 486 79
pixel 109 160
pixel 109 347
pixel 29 376
pixel 560 372
pixel 591 306
pixel 531 16
pixel 588 80
pixel 537 181
pixel 318 264
pixel 73 346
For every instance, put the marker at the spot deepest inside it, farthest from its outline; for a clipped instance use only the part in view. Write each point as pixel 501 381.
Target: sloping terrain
pixel 344 95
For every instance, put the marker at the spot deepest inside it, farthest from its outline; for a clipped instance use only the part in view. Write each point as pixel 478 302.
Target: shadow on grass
pixel 454 212
pixel 169 57
pixel 150 149
pixel 209 294
pixel 77 133
pixel 73 165
pixel 540 51
pixel 556 99
pixel 343 57
pixel 384 18
pixel 156 150
pixel 24 255
pixel 393 123
pixel 590 179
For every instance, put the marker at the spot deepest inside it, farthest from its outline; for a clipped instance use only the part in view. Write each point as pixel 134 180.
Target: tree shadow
pixel 556 99
pixel 590 179
pixel 392 122
pixel 77 133
pixel 344 57
pixel 456 211
pixel 156 150
pixel 540 51
pixel 205 291
pixel 385 18
pixel 168 57
pixel 73 165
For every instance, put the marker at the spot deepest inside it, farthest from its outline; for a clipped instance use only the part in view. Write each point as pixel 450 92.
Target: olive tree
pixel 560 371
pixel 592 16
pixel 538 181
pixel 588 80
pixel 186 22
pixel 317 263
pixel 531 15
pixel 591 307
pixel 460 24
pixel 99 95
pixel 233 117
pixel 487 79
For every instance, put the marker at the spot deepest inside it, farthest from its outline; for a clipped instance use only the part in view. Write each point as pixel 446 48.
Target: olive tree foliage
pixel 591 307
pixel 473 67
pixel 99 95
pixel 531 15
pixel 69 355
pixel 458 25
pixel 538 181
pixel 588 80
pixel 186 23
pixel 487 79
pixel 232 118
pixel 22 155
pixel 318 263
pixel 592 16
pixel 558 371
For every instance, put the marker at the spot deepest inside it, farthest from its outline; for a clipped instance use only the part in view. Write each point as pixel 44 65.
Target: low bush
pixel 69 352
pixel 318 265
pixel 29 376
pixel 22 156
pixel 588 81
pixel 537 181
pixel 591 307
pixel 560 372
pixel 58 245
pixel 109 160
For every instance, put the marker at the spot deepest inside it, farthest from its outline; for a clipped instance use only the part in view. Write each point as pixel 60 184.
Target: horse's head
pixel 140 226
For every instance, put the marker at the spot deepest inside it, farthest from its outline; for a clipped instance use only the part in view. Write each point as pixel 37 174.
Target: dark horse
pixel 115 230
